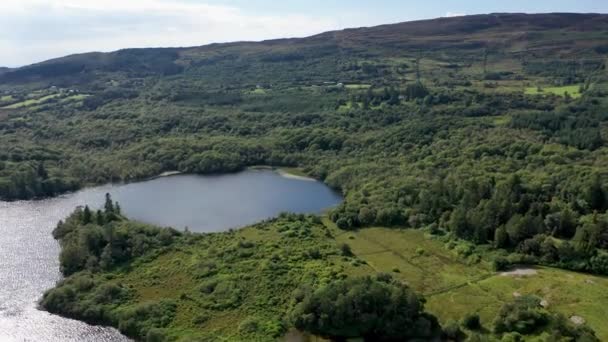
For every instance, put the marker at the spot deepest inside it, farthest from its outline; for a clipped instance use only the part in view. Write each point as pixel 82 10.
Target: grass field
pixel 74 98
pixel 454 286
pixel 573 90
pixel 409 256
pixel 357 86
pixel 566 292
pixel 32 102
pixel 258 91
pixel 42 100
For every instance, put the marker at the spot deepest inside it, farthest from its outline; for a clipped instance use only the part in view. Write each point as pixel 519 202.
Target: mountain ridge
pixel 473 33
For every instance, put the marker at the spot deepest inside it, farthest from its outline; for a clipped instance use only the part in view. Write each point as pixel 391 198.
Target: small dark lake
pixel 29 256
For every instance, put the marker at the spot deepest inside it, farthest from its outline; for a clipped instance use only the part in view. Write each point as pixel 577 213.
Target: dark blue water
pixel 29 256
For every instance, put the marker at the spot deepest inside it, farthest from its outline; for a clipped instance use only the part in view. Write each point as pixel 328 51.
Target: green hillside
pixel 488 132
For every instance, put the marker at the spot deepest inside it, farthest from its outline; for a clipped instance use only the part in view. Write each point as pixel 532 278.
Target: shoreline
pixel 287 174
pixel 165 174
pixel 283 172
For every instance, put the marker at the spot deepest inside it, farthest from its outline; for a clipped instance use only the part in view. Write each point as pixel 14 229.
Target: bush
pixel 155 335
pixel 471 321
pixel 208 286
pixel 249 325
pixel 345 250
pixel 451 331
pixel 342 223
pixel 137 321
pixel 500 264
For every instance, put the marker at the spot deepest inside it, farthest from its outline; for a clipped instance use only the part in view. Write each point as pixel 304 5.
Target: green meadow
pixel 455 284
pixel 572 90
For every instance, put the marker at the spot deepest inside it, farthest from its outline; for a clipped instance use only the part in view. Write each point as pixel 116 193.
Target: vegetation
pixel 259 282
pixel 375 309
pixel 448 135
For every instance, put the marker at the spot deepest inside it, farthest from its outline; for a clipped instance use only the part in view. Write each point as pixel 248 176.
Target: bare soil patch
pixel 520 272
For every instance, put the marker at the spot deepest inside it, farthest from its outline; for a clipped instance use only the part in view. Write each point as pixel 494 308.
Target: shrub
pixel 342 223
pixel 471 321
pixel 451 331
pixel 208 286
pixel 249 325
pixel 155 335
pixel 345 250
pixel 500 264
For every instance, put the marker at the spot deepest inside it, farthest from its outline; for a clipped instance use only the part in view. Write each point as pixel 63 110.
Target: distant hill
pixel 553 35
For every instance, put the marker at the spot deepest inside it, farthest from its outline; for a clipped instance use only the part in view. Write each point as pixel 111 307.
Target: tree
pixel 366 216
pixel 106 260
pixel 109 205
pixel 342 223
pixel 523 315
pixel 416 91
pixel 471 321
pixel 72 258
pixel 346 250
pixel 586 239
pixel 99 218
pixel 501 238
pixel 567 224
pixel 41 171
pixel 372 308
pixel 458 222
pixel 86 215
pixel 596 196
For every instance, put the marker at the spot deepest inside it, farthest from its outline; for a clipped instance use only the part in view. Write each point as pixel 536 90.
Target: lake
pixel 29 255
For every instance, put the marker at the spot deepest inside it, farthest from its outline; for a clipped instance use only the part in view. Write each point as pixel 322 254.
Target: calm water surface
pixel 29 255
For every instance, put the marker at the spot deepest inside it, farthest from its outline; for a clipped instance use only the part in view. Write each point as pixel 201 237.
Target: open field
pixel 569 293
pixel 409 255
pixel 258 91
pixel 357 86
pixel 454 287
pixel 573 90
pixel 32 102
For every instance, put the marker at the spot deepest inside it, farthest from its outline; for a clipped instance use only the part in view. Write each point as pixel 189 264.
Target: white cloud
pixel 35 30
pixel 454 14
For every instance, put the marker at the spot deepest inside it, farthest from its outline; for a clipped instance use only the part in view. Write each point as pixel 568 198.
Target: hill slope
pixel 460 39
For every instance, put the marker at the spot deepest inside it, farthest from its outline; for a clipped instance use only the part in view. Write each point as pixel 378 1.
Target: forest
pixel 492 139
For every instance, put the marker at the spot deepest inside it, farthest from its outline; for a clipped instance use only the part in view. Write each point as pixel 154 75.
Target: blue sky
pixel 36 30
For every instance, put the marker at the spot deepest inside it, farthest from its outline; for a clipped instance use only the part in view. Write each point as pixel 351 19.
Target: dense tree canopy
pixel 376 309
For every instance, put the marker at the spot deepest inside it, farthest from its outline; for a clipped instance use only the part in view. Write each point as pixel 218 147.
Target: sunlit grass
pixel 572 90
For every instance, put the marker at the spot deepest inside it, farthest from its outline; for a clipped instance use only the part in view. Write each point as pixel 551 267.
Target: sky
pixel 36 30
